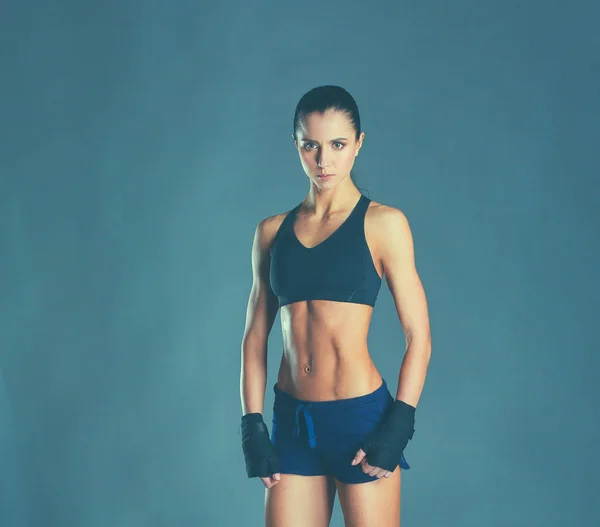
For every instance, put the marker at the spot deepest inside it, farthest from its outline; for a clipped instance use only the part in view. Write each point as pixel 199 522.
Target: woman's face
pixel 327 147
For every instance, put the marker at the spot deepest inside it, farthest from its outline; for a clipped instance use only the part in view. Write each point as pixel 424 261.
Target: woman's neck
pixel 324 203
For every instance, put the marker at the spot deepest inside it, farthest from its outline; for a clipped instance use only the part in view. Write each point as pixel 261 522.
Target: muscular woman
pixel 336 427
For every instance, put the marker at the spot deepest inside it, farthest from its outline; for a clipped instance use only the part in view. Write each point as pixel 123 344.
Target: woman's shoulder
pixel 385 214
pixel 386 221
pixel 268 227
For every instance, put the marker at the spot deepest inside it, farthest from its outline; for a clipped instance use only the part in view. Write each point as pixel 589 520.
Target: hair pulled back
pixel 324 98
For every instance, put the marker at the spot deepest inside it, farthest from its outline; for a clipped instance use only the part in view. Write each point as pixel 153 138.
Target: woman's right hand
pixel 259 453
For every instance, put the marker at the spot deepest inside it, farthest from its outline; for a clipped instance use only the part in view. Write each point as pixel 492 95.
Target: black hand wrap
pixel 385 445
pixel 259 452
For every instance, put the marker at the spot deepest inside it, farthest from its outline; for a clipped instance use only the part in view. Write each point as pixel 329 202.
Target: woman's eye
pixel 311 146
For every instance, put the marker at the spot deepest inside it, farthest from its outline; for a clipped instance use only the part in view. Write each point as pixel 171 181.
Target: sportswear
pixel 340 268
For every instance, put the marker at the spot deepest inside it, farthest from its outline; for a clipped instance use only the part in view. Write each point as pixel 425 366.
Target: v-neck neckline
pixel 332 234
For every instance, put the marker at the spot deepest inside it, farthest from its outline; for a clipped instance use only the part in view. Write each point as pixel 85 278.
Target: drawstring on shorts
pixel 305 409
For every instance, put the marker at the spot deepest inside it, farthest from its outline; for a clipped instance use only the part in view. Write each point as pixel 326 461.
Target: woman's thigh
pixel 300 501
pixel 372 504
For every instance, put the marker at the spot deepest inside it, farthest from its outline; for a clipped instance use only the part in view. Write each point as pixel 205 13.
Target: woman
pixel 336 427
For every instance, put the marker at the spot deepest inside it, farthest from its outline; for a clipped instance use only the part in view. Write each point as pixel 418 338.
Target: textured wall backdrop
pixel 141 143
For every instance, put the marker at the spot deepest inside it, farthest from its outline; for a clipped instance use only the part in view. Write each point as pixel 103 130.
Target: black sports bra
pixel 340 268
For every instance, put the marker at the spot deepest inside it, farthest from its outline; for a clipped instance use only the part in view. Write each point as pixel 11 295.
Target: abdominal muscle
pixel 325 352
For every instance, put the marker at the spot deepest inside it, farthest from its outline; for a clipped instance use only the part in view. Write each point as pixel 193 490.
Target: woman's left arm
pixel 397 255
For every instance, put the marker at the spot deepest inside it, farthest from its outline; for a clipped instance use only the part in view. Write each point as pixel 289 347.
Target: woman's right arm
pixel 260 316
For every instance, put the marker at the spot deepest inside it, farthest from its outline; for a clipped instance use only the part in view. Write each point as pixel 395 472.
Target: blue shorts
pixel 321 438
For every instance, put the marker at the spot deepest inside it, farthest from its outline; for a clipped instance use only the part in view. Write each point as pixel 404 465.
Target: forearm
pixel 253 377
pixel 413 371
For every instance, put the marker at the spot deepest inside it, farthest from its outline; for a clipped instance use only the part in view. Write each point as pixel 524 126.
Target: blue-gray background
pixel 140 145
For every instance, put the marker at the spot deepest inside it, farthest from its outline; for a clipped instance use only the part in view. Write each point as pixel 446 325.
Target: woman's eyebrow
pixel 307 139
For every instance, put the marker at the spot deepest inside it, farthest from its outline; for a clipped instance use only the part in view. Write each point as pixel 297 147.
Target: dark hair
pixel 323 98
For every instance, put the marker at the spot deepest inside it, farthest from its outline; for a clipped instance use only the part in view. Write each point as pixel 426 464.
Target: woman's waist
pixel 327 374
pixel 379 394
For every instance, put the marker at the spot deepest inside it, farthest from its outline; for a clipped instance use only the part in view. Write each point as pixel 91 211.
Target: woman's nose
pixel 322 160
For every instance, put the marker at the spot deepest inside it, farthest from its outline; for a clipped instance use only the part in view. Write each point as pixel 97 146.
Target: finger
pixel 366 468
pixel 384 473
pixel 358 457
pixel 276 477
pixel 374 471
pixel 269 482
pixel 371 470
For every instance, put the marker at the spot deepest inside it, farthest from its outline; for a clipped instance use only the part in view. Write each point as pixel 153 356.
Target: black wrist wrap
pixel 259 453
pixel 386 444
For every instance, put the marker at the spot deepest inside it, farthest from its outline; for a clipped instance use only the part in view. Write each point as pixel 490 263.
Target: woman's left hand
pixel 361 457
